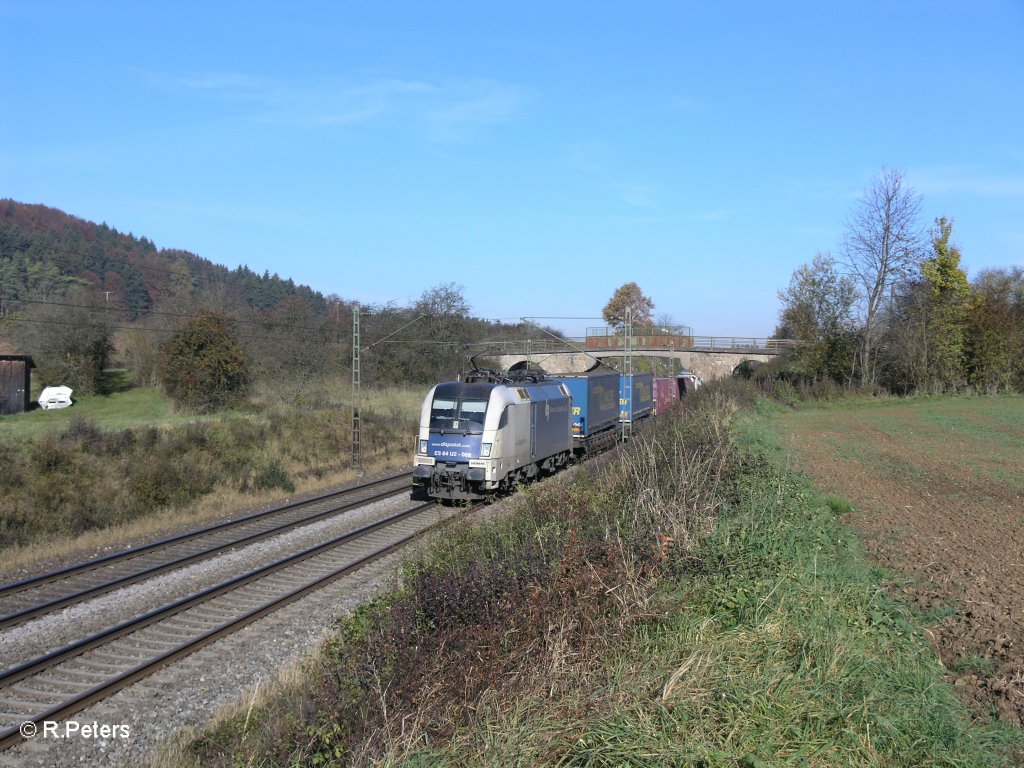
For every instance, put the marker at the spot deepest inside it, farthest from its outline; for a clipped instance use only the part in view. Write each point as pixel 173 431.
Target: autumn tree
pixel 948 291
pixel 817 311
pixel 203 367
pixel 421 343
pixel 881 245
pixel 995 331
pixel 628 296
pixel 293 346
pixel 445 324
pixel 69 339
pixel 901 362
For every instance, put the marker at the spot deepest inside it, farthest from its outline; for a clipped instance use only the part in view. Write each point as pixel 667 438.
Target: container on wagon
pixel 666 392
pixel 636 396
pixel 595 401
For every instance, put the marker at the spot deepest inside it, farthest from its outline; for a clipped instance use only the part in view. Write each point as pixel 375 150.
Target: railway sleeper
pixel 86 677
pixel 105 669
pixel 118 657
pixel 60 685
pixel 29 697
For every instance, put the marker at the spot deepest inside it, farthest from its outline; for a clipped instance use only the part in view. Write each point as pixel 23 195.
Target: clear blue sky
pixel 538 153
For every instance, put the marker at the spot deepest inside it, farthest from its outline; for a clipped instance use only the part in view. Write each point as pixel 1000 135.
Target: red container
pixel 666 392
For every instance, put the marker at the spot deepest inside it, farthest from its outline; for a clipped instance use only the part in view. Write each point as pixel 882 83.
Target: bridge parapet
pixel 743 344
pixel 611 343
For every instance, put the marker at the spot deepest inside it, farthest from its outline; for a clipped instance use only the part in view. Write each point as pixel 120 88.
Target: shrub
pixel 203 367
pixel 82 433
pixel 272 475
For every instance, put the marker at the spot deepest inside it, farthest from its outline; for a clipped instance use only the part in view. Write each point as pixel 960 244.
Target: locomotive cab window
pixel 458 415
pixel 473 410
pixel 442 410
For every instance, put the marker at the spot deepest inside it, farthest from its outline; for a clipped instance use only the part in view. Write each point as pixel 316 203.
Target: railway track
pixel 37 596
pixel 64 681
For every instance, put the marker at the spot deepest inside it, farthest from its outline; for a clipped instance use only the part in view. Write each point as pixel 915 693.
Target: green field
pixel 921 439
pixel 144 406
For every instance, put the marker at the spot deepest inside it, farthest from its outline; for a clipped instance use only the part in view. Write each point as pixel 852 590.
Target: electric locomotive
pixel 490 431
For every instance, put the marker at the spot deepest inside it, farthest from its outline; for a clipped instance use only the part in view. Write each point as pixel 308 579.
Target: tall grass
pixel 782 649
pixel 79 476
pixel 687 602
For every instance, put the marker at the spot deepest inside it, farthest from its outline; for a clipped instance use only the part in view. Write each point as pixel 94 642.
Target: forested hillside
pixel 82 298
pixel 44 251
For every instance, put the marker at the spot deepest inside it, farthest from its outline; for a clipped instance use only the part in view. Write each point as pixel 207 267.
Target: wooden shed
pixel 15 383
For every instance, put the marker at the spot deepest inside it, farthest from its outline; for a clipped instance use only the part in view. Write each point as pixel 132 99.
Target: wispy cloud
pixel 967 180
pixel 333 104
pixel 222 82
pixel 719 215
pixel 684 104
pixel 444 111
pixel 586 156
pixel 638 195
pixel 822 189
pixel 809 231
pixel 465 107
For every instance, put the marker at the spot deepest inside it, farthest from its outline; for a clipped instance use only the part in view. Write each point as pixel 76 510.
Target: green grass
pixel 770 642
pixel 144 406
pixel 983 434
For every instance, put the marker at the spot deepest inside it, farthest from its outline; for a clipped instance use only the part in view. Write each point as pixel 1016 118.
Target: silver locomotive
pixel 489 432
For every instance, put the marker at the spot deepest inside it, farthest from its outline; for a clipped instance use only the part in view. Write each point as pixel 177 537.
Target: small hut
pixel 15 383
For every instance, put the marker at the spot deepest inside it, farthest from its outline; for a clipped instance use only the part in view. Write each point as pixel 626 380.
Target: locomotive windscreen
pixel 462 415
pixel 442 410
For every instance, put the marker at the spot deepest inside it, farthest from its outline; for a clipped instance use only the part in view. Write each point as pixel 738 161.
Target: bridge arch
pixel 708 365
pixel 707 356
pixel 746 368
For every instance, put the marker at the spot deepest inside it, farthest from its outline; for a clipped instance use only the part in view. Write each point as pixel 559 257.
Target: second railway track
pixel 48 592
pixel 64 681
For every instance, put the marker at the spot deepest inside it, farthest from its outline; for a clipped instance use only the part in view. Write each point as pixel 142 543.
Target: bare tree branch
pixel 883 243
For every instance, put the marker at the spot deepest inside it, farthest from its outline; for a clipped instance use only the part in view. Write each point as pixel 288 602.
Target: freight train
pixel 490 431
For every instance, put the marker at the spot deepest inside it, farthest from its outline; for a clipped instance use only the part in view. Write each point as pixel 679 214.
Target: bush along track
pixel 690 603
pixel 83 478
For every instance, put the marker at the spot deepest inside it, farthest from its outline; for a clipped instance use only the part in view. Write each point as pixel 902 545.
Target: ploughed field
pixel 937 488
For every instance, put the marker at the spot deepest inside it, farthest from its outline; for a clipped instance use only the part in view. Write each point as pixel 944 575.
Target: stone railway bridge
pixel 710 357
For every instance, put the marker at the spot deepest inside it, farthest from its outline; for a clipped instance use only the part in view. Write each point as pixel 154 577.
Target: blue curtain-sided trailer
pixel 595 402
pixel 636 396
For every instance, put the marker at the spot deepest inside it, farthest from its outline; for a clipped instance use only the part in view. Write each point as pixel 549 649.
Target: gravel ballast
pixel 189 692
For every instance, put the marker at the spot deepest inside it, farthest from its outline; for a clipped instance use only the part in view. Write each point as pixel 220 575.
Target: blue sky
pixel 538 153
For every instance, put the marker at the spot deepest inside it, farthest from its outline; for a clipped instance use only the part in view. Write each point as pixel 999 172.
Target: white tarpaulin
pixel 55 397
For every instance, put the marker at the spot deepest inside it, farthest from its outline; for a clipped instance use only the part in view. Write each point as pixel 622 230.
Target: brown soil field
pixel 937 487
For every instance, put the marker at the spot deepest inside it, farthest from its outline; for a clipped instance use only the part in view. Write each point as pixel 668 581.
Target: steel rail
pixel 40 663
pixel 87 565
pixel 13 736
pixel 17 588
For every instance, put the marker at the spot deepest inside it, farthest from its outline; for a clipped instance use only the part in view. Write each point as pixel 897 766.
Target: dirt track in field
pixel 939 502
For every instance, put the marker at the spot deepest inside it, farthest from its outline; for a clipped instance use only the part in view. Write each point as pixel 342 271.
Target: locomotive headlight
pixel 485 450
pixel 423 447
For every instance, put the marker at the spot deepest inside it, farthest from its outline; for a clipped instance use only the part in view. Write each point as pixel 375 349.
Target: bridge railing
pixel 606 344
pixel 643 330
pixel 739 343
pixel 536 346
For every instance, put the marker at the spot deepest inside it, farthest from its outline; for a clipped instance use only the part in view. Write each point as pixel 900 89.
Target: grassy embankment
pixel 115 467
pixel 694 603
